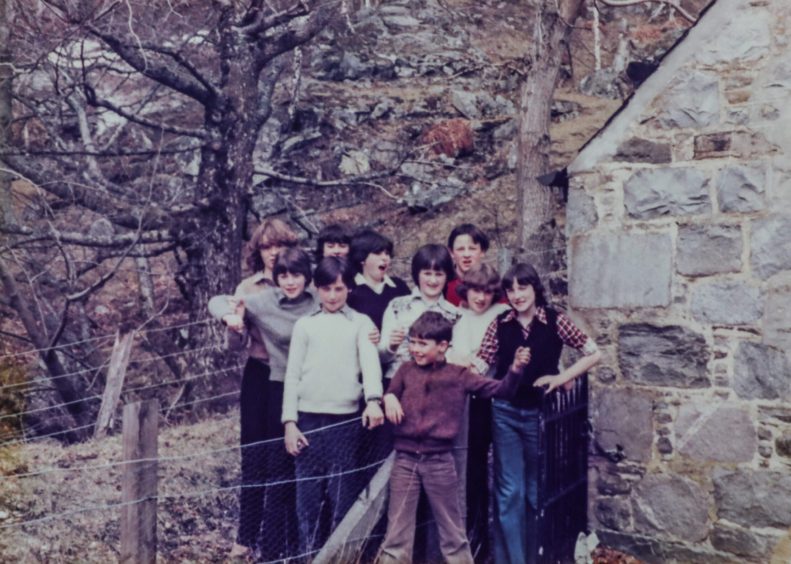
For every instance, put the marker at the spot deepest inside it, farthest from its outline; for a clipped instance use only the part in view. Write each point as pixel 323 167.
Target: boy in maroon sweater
pixel 425 401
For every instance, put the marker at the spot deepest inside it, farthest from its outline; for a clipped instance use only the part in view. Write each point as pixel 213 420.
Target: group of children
pixel 367 344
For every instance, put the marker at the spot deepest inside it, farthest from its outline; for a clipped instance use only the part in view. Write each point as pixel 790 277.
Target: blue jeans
pixel 515 438
pixel 323 475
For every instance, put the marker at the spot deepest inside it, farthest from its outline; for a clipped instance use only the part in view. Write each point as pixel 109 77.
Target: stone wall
pixel 679 226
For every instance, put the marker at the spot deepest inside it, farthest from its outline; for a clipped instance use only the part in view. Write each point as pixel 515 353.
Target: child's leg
pixel 438 474
pixel 404 494
pixel 310 464
pixel 510 524
pixel 253 427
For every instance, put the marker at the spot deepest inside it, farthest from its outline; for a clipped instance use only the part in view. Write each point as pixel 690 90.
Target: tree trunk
pixel 540 241
pixel 6 74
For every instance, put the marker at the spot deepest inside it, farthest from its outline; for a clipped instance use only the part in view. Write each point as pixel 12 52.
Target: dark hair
pixel 432 325
pixel 328 270
pixel 367 242
pixel 292 261
pixel 271 231
pixel 332 233
pixel 525 274
pixel 482 277
pixel 475 234
pixel 431 257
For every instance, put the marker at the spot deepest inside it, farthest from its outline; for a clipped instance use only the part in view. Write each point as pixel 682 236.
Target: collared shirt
pixel 361 280
pixel 401 313
pixel 568 332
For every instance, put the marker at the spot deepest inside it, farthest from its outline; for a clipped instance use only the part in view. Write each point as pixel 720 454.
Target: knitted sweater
pixel 328 353
pixel 433 399
pixel 273 317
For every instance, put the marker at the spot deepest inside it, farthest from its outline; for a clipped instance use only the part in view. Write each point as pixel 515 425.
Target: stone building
pixel 679 247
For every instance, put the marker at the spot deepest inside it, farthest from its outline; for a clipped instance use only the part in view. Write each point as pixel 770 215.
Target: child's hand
pixel 374 336
pixel 521 359
pixel 295 440
pixel 373 416
pixel 551 382
pixel 393 409
pixel 396 338
pixel 235 320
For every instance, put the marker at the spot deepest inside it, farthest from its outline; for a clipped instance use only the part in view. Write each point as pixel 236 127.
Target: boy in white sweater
pixel 330 347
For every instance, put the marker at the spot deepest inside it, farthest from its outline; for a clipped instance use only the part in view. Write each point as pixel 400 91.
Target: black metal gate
pixel 563 472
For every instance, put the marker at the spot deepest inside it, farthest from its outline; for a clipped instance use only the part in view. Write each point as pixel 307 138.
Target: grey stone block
pixel 692 101
pixel 753 498
pixel 742 542
pixel 741 189
pixel 777 316
pixel 643 151
pixel 663 356
pixel 620 270
pixel 613 513
pixel 726 301
pixel 580 211
pixel 659 192
pixel 761 372
pixel 724 434
pixel 671 505
pixel 770 252
pixel 622 422
pixel 708 249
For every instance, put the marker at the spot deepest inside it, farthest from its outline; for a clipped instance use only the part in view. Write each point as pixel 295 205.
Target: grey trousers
pixel 436 473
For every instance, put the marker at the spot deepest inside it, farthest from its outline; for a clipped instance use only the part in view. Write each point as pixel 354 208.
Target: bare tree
pixel 132 137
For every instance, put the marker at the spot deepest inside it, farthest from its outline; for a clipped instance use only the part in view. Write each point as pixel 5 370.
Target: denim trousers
pixel 325 483
pixel 515 438
pixel 436 474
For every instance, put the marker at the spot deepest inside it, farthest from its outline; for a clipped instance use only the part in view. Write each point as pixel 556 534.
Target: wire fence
pixel 283 507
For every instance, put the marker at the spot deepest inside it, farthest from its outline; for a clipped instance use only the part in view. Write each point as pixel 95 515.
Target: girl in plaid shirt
pixel 534 332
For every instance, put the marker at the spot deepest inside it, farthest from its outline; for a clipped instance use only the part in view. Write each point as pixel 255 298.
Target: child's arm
pixel 296 356
pixel 573 337
pixel 231 311
pixel 487 353
pixel 372 374
pixel 392 335
pixel 505 388
pixel 393 409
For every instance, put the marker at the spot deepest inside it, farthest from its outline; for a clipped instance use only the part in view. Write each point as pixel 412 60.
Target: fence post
pixel 139 485
pixel 119 359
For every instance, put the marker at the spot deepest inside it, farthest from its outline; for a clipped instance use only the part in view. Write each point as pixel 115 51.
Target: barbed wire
pixel 200 454
pixel 99 337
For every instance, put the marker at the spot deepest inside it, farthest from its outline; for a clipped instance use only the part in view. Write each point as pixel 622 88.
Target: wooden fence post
pixel 119 359
pixel 139 486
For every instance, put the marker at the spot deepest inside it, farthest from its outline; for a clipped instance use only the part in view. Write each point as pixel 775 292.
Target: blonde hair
pixel 270 232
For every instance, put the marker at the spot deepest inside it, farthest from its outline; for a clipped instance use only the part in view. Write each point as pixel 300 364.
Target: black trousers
pixel 266 505
pixel 479 439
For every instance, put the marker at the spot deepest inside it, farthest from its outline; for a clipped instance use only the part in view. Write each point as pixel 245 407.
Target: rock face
pixel 663 356
pixel 684 276
pixel 753 499
pixel 608 271
pixel 761 371
pixel 770 252
pixel 668 504
pixel 691 102
pixel 715 434
pixel 708 249
pixel 622 423
pixel 666 191
pixel 726 301
pixel 741 189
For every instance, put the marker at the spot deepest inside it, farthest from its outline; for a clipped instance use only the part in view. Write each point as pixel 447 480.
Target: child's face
pixel 432 282
pixel 479 300
pixel 292 284
pixel 333 296
pixel 466 253
pixel 269 252
pixel 375 265
pixel 521 297
pixel 427 351
pixel 331 249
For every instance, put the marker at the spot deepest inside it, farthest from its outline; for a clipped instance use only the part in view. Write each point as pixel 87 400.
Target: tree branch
pixel 672 3
pixel 85 240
